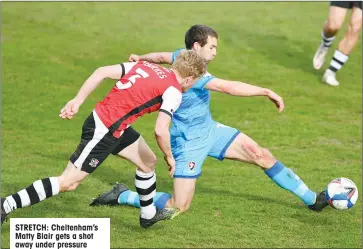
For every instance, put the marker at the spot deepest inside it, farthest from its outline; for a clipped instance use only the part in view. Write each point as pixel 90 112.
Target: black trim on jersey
pixel 137 110
pixel 123 70
pixel 165 111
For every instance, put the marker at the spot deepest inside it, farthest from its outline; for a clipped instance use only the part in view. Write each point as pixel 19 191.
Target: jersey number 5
pixel 132 79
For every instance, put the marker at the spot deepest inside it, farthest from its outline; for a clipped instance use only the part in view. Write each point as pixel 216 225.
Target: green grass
pixel 50 48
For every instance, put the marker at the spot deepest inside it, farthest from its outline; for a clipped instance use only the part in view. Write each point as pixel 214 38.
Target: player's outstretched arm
pixel 159 57
pixel 72 107
pixel 162 136
pixel 241 89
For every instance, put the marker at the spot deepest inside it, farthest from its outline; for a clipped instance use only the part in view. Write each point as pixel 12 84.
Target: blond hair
pixel 189 63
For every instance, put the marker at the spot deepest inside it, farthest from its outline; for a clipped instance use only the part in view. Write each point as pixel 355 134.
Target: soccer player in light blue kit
pixel 195 135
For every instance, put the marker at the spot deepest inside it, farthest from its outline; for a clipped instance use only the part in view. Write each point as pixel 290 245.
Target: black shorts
pixel 347 5
pixel 97 143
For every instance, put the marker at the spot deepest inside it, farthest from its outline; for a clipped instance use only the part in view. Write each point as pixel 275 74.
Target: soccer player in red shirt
pixel 142 87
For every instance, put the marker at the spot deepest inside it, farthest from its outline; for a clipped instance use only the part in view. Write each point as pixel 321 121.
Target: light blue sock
pixel 287 179
pixel 131 198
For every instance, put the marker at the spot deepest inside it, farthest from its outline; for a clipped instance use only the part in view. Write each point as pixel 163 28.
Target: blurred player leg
pixel 345 47
pixel 330 28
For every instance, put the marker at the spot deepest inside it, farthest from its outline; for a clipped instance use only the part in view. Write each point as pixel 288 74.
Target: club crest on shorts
pixel 191 165
pixel 94 162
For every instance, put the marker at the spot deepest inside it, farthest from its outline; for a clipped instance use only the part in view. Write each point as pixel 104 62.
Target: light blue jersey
pixel 193 116
pixel 194 135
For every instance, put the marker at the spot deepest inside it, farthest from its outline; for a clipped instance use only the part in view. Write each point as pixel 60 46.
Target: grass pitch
pixel 48 49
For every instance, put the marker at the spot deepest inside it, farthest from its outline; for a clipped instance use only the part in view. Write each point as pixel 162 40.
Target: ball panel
pixel 347 183
pixel 340 204
pixel 340 196
pixel 334 188
pixel 350 204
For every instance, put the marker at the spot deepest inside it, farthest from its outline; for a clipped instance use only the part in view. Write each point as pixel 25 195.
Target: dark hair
pixel 198 33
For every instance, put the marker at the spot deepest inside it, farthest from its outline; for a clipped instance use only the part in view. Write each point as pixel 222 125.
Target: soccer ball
pixel 341 193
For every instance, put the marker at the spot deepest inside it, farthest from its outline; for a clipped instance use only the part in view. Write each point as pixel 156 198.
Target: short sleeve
pixel 126 67
pixel 172 98
pixel 200 84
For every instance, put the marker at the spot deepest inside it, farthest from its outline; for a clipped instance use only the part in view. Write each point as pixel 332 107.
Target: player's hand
pixel 70 109
pixel 277 100
pixel 134 58
pixel 171 163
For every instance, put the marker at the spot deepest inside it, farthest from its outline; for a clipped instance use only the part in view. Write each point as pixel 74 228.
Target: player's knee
pixel 72 187
pixel 152 161
pixel 270 160
pixel 267 154
pixel 267 160
pixel 184 207
pixel 148 165
pixel 252 150
pixel 68 187
pixel 257 155
pixel 355 27
pixel 334 26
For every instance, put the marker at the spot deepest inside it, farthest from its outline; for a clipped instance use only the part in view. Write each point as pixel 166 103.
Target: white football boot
pixel 319 57
pixel 329 78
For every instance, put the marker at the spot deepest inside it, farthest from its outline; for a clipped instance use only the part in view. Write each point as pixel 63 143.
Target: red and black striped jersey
pixel 143 88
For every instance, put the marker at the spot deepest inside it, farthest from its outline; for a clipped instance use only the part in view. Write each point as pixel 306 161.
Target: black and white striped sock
pixel 33 194
pixel 145 184
pixel 338 61
pixel 328 41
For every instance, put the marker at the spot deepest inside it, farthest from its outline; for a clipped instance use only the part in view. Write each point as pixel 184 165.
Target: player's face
pixel 209 50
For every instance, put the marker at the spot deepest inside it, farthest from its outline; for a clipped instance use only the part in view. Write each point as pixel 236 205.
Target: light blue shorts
pixel 190 154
